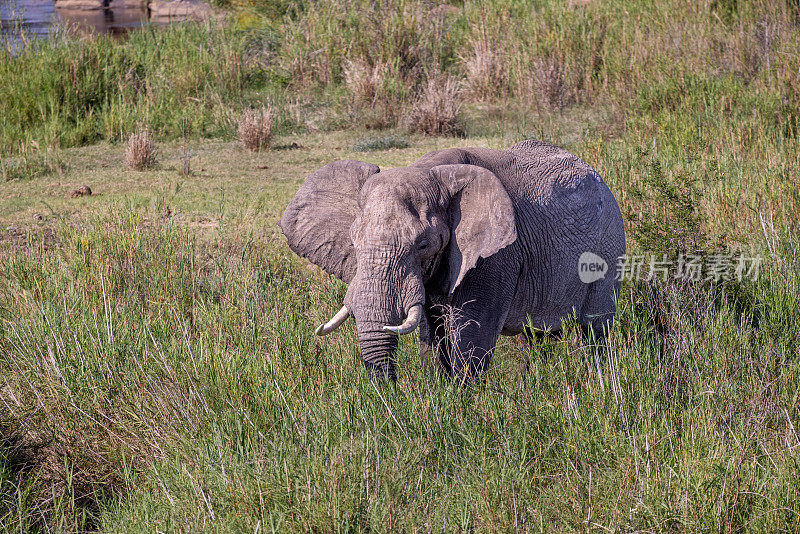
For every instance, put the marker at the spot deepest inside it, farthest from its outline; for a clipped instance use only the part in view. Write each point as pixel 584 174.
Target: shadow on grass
pixel 45 487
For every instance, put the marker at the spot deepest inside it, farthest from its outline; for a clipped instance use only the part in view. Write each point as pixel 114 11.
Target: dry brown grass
pixel 486 62
pixel 368 101
pixel 748 49
pixel 377 93
pixel 550 83
pixel 141 152
pixel 486 76
pixel 363 81
pixel 255 128
pixel 437 109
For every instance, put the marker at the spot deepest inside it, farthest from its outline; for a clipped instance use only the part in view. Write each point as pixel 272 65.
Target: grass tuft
pixel 363 82
pixel 255 128
pixel 486 76
pixel 551 84
pixel 436 111
pixel 140 150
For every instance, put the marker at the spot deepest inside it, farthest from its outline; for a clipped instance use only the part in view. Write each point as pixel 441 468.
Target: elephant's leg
pixel 480 307
pixel 599 308
pixel 433 348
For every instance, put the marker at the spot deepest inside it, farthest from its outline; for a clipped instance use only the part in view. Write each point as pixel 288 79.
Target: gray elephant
pixel 465 244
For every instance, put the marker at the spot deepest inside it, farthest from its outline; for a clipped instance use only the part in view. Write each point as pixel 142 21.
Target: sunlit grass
pixel 158 369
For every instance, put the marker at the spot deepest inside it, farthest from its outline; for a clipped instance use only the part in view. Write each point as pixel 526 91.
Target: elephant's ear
pixel 317 221
pixel 481 217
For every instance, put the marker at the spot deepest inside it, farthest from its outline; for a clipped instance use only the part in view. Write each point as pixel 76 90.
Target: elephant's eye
pixel 423 244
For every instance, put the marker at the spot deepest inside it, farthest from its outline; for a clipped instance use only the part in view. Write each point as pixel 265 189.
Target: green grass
pixel 167 369
pixel 74 91
pixel 178 385
pixel 369 144
pixel 158 369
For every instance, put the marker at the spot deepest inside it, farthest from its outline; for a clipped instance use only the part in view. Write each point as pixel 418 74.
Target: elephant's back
pixel 553 187
pixel 547 173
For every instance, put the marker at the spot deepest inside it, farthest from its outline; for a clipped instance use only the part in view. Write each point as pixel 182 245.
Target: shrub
pixel 255 128
pixel 666 217
pixel 551 84
pixel 436 111
pixel 141 152
pixel 486 76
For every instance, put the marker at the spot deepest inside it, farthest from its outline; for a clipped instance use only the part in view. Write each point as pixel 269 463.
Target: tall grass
pixel 75 91
pixel 367 61
pixel 175 384
pixel 155 379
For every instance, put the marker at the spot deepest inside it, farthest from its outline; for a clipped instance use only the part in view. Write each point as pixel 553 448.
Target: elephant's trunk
pixel 377 301
pixel 377 348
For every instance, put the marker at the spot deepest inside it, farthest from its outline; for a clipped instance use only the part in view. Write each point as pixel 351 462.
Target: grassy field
pixel 158 369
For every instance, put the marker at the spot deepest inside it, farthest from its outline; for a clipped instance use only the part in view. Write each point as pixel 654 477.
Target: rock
pixel 177 10
pixel 80 4
pixel 82 191
pixel 37 217
pixel 128 4
pixel 114 19
pixel 87 5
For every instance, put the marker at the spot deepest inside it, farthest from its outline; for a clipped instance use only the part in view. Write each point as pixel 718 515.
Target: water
pixel 25 19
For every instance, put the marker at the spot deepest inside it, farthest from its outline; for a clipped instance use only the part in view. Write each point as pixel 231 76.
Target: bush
pixel 437 109
pixel 141 152
pixel 255 128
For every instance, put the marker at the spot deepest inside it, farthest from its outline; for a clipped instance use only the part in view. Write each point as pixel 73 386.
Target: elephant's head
pixel 392 234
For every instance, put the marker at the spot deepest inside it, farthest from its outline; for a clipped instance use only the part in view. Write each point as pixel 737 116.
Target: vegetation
pixel 141 152
pixel 371 143
pixel 174 382
pixel 255 128
pixel 158 369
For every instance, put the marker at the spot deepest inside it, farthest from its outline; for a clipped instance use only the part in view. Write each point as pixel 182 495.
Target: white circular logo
pixel 591 267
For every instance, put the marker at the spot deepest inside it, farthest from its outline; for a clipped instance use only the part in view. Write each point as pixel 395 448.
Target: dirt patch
pixel 17 238
pixel 204 223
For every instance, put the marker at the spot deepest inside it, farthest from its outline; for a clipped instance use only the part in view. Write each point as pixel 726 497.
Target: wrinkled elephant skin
pixel 465 244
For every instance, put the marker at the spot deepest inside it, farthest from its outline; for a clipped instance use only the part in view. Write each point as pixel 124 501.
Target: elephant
pixel 465 244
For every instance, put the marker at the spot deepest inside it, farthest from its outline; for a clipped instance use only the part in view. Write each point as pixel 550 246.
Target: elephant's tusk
pixel 335 322
pixel 410 324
